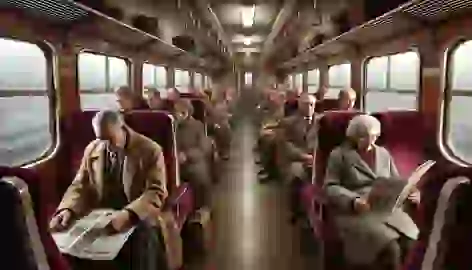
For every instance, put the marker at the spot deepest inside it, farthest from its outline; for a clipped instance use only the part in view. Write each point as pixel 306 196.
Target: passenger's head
pixel 125 98
pixel 182 109
pixel 153 97
pixel 108 126
pixel 363 131
pixel 306 104
pixel 320 95
pixel 347 99
pixel 173 94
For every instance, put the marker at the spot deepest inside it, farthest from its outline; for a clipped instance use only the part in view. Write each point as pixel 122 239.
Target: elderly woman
pixel 351 171
pixel 128 100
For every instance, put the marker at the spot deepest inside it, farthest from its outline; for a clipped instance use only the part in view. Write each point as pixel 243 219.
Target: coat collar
pixel 355 160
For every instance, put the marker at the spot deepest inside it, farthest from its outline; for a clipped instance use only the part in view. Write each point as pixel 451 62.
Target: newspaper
pixel 390 195
pixel 88 239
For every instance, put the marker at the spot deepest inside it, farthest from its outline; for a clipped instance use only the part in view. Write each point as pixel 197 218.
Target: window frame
pixel 446 99
pixel 308 79
pixel 108 89
pixel 155 73
pixel 51 92
pixel 189 84
pixel 366 90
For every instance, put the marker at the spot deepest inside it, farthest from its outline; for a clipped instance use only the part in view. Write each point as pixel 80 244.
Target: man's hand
pixel 308 159
pixel 182 157
pixel 120 221
pixel 61 220
pixel 361 205
pixel 415 196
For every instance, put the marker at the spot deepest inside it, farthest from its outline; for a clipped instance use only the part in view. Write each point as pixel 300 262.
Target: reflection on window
pixel 392 82
pixel 25 115
pixel 99 75
pixel 154 76
pixel 182 80
pixel 248 78
pixel 459 126
pixel 339 78
pixel 313 80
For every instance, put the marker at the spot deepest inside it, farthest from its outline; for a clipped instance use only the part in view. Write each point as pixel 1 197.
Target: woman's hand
pixel 361 205
pixel 415 196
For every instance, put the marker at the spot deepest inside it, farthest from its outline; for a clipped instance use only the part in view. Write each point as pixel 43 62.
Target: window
pixel 298 82
pixel 197 81
pixel 248 78
pixel 458 100
pixel 313 80
pixel 26 119
pixel 392 82
pixel 99 75
pixel 182 80
pixel 339 78
pixel 290 82
pixel 154 76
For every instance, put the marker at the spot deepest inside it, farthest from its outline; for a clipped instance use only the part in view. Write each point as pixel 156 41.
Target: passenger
pixel 122 170
pixel 127 100
pixel 351 171
pixel 346 99
pixel 153 98
pixel 299 140
pixel 291 103
pixel 193 150
pixel 219 118
pixel 321 93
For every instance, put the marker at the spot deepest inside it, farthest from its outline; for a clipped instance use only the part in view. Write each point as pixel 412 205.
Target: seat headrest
pixel 332 128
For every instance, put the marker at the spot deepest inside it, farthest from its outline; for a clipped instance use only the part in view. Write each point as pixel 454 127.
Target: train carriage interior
pixel 236 134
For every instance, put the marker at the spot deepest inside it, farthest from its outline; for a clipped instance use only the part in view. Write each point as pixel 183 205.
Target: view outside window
pixel 154 76
pixel 298 82
pixel 392 82
pixel 198 81
pixel 99 76
pixel 26 114
pixel 313 80
pixel 459 100
pixel 339 78
pixel 248 78
pixel 182 80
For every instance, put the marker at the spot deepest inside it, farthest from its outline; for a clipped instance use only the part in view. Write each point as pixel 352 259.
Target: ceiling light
pixel 247 15
pixel 247 41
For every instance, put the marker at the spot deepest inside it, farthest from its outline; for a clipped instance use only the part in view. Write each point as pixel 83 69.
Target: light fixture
pixel 247 41
pixel 247 16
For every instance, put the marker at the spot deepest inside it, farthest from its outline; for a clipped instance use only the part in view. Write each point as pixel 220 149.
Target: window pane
pixel 377 73
pixel 313 77
pixel 332 93
pixel 340 76
pixel 148 75
pixel 388 101
pixel 248 78
pixel 197 80
pixel 460 127
pixel 118 72
pixel 182 80
pixel 24 120
pixel 290 81
pixel 404 71
pixel 461 66
pixel 92 72
pixel 161 77
pixel 98 101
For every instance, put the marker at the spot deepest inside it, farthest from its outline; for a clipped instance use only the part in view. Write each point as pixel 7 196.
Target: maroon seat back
pixel 326 105
pixel 158 126
pixel 332 132
pixel 406 135
pixel 199 111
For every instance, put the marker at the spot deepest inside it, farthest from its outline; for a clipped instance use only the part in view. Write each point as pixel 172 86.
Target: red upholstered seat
pixel 326 105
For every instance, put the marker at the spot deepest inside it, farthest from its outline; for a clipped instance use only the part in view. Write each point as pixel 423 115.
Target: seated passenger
pixel 193 149
pixel 351 171
pixel 120 170
pixel 299 138
pixel 219 118
pixel 153 98
pixel 346 99
pixel 127 100
pixel 321 93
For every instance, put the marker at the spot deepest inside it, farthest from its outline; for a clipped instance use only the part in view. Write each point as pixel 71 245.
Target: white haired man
pixel 352 169
pixel 346 99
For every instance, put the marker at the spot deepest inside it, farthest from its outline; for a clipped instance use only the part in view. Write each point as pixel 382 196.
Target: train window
pixel 290 81
pixel 154 76
pixel 459 99
pixel 25 106
pixel 392 82
pixel 197 81
pixel 182 80
pixel 248 78
pixel 339 78
pixel 99 75
pixel 313 80
pixel 298 82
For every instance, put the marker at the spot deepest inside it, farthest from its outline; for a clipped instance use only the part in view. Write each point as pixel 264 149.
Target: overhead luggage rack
pixel 406 18
pixel 71 13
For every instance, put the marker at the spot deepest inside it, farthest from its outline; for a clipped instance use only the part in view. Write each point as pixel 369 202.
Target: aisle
pixel 252 231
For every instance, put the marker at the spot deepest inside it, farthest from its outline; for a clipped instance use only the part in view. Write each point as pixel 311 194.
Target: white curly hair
pixel 361 125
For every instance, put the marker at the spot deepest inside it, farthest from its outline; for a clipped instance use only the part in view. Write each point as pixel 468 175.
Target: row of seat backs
pixel 290 107
pixel 198 104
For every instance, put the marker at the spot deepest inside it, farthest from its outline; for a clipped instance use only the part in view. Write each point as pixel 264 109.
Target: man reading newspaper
pixel 122 171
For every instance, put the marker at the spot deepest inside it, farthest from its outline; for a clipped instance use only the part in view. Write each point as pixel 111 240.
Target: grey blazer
pixel 347 177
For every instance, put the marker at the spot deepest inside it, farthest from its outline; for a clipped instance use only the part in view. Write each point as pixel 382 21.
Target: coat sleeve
pixel 197 151
pixel 336 193
pixel 155 191
pixel 293 152
pixel 79 194
pixel 393 168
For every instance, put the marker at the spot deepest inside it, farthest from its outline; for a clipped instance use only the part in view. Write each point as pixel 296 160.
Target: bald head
pixel 108 125
pixel 124 98
pixel 347 99
pixel 183 108
pixel 153 97
pixel 306 104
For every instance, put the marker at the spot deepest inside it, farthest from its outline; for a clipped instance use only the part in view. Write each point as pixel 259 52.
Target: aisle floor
pixel 251 228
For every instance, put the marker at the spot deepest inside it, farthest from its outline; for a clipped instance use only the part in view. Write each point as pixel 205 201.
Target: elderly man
pixel 298 138
pixel 193 152
pixel 120 170
pixel 153 98
pixel 346 99
pixel 127 100
pixel 219 118
pixel 352 169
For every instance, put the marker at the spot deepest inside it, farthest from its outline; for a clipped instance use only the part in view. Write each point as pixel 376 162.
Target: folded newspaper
pixel 389 195
pixel 88 239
